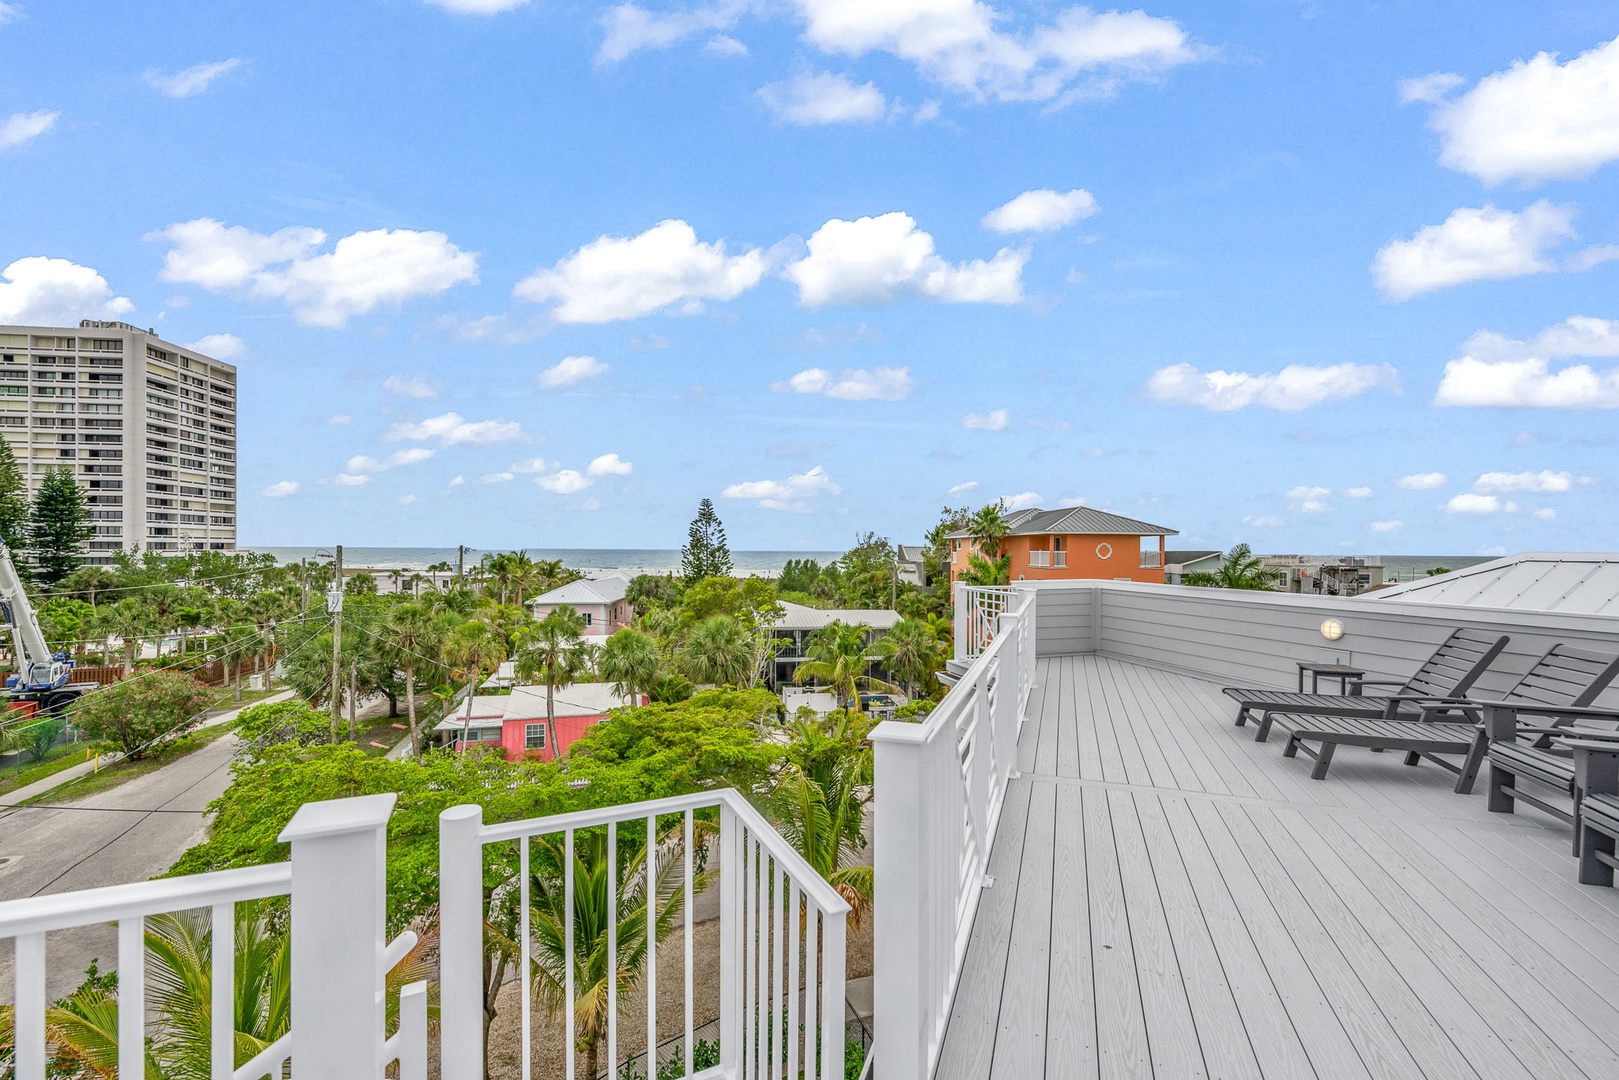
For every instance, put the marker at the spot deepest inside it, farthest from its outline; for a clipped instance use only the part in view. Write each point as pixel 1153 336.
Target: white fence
pixel 782 933
pixel 939 789
pixel 336 880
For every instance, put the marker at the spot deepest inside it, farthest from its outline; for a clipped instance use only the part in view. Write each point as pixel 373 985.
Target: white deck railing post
pixel 339 895
pixel 460 883
pixel 730 941
pixel 901 1010
pixel 960 601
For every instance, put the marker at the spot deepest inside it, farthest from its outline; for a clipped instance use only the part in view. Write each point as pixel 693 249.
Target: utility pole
pixel 460 560
pixel 303 584
pixel 334 605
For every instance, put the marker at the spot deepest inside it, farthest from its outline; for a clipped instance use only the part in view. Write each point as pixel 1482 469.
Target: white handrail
pixel 110 903
pixel 940 786
pixel 782 937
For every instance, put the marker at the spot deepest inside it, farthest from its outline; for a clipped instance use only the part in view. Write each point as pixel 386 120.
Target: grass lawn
pixel 113 775
pixel 60 757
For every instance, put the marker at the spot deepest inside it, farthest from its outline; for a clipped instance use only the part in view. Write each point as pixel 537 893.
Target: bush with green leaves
pixel 137 712
pixel 275 722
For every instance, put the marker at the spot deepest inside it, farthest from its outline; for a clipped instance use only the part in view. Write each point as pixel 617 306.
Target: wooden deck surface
pixel 1172 899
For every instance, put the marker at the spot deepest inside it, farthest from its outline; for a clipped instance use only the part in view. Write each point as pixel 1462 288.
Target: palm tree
pixel 631 661
pixel 822 819
pixel 982 571
pixel 187 620
pixel 128 620
pixel 472 650
pixel 417 635
pixel 912 653
pixel 719 650
pixel 1240 569
pixel 840 656
pixel 553 651
pixel 591 917
pixel 988 528
pixel 89 580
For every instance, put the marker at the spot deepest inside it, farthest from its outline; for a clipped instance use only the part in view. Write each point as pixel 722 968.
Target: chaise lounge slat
pixel 1445 677
pixel 1416 738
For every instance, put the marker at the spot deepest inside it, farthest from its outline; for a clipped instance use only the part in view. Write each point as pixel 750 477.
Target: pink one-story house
pixel 517 723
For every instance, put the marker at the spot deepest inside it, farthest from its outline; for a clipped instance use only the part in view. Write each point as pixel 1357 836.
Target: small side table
pixel 1342 672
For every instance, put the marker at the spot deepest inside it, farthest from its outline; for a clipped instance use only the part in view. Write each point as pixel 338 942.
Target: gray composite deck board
pixel 1172 899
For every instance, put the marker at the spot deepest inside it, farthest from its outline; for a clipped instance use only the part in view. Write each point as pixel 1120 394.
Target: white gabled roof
pixel 799 617
pixel 607 589
pixel 528 703
pixel 1575 584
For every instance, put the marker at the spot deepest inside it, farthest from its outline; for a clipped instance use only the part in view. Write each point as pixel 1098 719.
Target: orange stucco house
pixel 1074 543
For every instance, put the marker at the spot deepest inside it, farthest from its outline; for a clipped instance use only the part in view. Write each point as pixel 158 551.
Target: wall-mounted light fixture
pixel 1332 629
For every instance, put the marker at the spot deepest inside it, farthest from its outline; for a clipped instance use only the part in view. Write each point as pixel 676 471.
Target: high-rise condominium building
pixel 148 428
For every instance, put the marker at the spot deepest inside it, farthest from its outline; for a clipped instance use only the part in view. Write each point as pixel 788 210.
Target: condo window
pixel 534 736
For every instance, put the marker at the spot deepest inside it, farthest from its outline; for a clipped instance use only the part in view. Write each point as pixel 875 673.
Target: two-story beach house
pixel 1071 544
pixel 600 600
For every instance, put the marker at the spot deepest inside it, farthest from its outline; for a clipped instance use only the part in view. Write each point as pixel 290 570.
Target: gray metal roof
pixel 799 617
pixel 607 589
pixel 1578 584
pixel 1180 558
pixel 1077 519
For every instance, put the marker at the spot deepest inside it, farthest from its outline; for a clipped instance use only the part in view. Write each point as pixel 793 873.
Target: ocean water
pixel 1411 567
pixel 629 560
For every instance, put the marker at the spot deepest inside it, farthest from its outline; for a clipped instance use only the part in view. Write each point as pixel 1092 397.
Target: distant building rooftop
pixel 799 617
pixel 1574 584
pixel 528 703
pixel 1072 520
pixel 607 589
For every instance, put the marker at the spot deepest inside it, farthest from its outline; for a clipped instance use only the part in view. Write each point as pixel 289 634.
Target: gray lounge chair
pixel 1446 676
pixel 1596 777
pixel 1520 752
pixel 1565 676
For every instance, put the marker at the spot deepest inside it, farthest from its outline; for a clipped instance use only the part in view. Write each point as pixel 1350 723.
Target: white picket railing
pixel 336 880
pixel 774 911
pixel 939 789
pixel 978 610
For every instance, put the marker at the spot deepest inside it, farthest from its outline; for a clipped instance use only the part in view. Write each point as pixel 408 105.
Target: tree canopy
pixel 705 553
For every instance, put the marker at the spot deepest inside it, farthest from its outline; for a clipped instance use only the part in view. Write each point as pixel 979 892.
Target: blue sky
pixel 1320 276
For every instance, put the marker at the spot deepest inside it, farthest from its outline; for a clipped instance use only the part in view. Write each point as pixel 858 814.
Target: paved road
pixel 107 839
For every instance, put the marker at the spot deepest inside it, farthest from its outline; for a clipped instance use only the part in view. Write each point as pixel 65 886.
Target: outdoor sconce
pixel 1332 629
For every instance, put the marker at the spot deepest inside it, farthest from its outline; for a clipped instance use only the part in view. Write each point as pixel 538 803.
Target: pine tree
pixel 59 526
pixel 13 500
pixel 705 553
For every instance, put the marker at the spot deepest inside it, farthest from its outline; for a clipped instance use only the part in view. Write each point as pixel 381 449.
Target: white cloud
pixel 1387 526
pixel 564 482
pixel 1071 500
pixel 994 420
pixel 1295 387
pixel 281 489
pixel 532 465
pixel 455 482
pixel 1544 481
pixel 452 428
pixel 615 277
pixel 1426 481
pixel 361 463
pixel 875 260
pixel 824 98
pixel 851 384
pixel 350 479
pixel 407 500
pixel 193 80
pixel 8 12
pixel 1537 120
pixel 478 7
pixel 362 272
pixel 337 419
pixel 1358 493
pixel 1262 521
pixel 1484 244
pixel 1043 210
pixel 927 112
pixel 956 43
pixel 962 489
pixel 1311 500
pixel 630 28
pixel 219 346
pixel 1470 503
pixel 19 128
pixel 1499 371
pixel 1546 513
pixel 39 291
pixel 571 370
pixel 796 493
pixel 609 465
pixel 1428 88
pixel 725 45
pixel 1023 500
pixel 416 387
pixel 496 477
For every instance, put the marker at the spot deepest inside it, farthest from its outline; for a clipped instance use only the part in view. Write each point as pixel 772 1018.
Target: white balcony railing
pixel 1039 558
pixel 782 935
pixel 977 613
pixel 336 882
pixel 939 789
